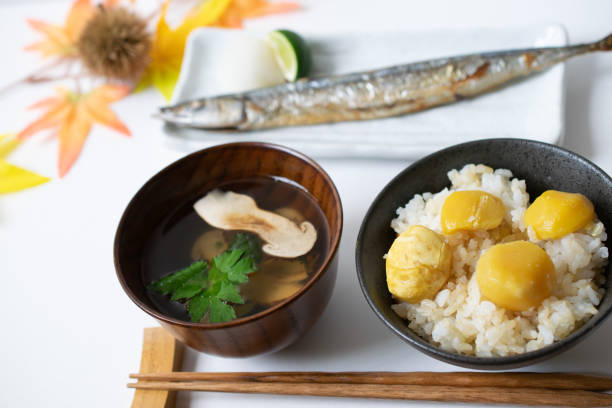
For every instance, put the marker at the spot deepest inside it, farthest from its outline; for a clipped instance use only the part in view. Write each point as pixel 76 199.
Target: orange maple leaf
pixel 238 10
pixel 60 40
pixel 114 3
pixel 72 116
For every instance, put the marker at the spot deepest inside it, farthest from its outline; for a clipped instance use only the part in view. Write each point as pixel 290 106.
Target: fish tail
pixel 603 45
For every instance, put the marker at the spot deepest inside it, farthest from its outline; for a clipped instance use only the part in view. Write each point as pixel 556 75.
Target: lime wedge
pixel 292 53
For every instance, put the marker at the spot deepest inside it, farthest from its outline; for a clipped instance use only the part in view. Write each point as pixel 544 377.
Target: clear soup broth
pixel 184 237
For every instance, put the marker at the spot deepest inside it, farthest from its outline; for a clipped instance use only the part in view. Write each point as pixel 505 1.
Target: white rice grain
pixel 458 319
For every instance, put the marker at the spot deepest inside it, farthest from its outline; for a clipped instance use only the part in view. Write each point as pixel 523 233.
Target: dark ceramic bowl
pixel 541 165
pixel 187 180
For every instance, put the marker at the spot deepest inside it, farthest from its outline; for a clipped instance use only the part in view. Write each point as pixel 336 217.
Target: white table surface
pixel 70 336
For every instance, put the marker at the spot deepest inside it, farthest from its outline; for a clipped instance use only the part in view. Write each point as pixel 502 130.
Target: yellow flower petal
pixel 8 143
pixel 206 14
pixel 169 45
pixel 165 81
pixel 13 178
pixel 144 82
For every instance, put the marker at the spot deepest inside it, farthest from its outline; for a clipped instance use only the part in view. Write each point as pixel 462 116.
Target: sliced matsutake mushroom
pixel 276 279
pixel 266 291
pixel 233 211
pixel 285 270
pixel 208 245
pixel 274 292
pixel 291 213
pixel 245 308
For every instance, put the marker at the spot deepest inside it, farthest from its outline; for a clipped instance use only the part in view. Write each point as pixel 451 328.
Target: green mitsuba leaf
pixel 249 244
pixel 220 311
pixel 213 291
pixel 192 287
pixel 229 292
pixel 234 266
pixel 225 261
pixel 239 272
pixel 198 306
pixel 172 282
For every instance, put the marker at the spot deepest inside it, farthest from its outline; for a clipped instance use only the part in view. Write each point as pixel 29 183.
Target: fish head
pixel 207 113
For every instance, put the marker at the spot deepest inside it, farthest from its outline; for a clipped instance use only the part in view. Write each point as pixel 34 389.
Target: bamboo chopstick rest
pixel 160 353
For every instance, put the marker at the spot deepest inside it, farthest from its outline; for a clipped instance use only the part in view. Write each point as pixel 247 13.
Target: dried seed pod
pixel 115 43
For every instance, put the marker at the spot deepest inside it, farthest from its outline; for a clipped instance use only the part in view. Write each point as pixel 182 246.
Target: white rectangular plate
pixel 532 108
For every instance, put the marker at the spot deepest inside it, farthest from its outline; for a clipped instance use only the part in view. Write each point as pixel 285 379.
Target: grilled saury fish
pixel 373 94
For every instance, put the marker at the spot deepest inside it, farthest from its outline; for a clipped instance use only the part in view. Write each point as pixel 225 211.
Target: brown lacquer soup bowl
pixel 179 186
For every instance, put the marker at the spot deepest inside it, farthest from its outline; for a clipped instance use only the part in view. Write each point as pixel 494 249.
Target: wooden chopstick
pixel 560 381
pixel 523 396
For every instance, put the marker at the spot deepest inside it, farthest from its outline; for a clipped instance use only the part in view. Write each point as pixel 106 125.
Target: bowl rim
pixel 335 236
pixel 495 362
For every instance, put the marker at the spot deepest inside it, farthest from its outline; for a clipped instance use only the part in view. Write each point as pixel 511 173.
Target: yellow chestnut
pixel 418 264
pixel 517 275
pixel 471 210
pixel 556 213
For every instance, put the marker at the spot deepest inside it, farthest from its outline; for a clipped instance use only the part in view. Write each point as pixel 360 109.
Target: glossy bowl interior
pixel 541 165
pixel 188 179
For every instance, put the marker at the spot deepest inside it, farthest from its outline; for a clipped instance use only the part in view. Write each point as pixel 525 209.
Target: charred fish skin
pixel 372 94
